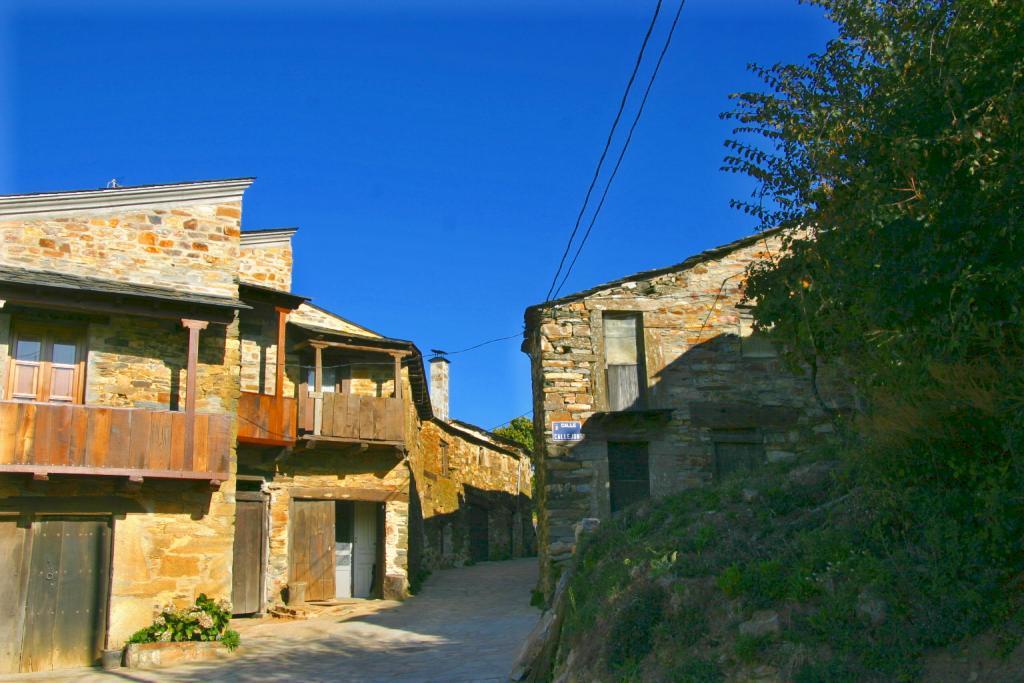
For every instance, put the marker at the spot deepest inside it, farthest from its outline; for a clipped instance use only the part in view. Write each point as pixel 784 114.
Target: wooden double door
pixel 54 587
pixel 337 548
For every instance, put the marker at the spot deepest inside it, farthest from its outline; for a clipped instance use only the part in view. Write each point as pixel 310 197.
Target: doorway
pixel 479 533
pixel 357 534
pixel 337 548
pixel 249 555
pixel 54 583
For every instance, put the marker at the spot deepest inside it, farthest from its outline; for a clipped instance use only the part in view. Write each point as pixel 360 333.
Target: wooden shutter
pixel 623 361
pixel 47 364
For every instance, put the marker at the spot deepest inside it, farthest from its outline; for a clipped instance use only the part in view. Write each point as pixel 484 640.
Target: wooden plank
pixel 219 451
pixel 43 436
pixel 25 434
pixel 395 430
pixel 340 415
pixel 60 435
pixel 78 430
pixel 351 427
pixel 13 579
pixel 8 432
pixel 98 437
pixel 139 444
pixel 288 421
pixel 120 439
pixel 159 457
pixel 201 455
pixel 177 441
pixel 365 428
pixel 327 421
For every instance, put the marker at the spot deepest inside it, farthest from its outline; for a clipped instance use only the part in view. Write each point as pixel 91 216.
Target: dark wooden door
pixel 312 543
pixel 478 533
pixel 247 565
pixel 629 478
pixel 66 595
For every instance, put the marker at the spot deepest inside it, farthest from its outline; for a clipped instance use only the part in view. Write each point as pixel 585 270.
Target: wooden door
pixel 47 364
pixel 14 538
pixel 248 564
pixel 365 537
pixel 66 596
pixel 312 547
pixel 479 533
pixel 629 478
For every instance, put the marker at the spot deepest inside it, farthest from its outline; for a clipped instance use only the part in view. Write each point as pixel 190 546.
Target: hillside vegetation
pixel 897 155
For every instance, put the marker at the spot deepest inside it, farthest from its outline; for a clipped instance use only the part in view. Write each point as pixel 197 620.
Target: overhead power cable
pixel 625 146
pixel 607 146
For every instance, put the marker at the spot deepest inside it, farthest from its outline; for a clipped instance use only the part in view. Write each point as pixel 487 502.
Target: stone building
pixel 119 357
pixel 666 385
pixel 174 421
pixel 351 480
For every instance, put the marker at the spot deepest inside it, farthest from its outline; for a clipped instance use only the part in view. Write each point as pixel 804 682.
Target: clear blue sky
pixel 434 154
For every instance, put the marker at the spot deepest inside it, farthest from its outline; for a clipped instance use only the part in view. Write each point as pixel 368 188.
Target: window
pixel 444 459
pixel 624 362
pixel 481 457
pixel 629 478
pixel 46 364
pixel 329 377
pixel 754 343
pixel 737 450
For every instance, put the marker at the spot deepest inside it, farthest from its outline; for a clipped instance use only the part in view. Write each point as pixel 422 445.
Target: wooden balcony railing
pixel 266 420
pixel 350 417
pixel 53 438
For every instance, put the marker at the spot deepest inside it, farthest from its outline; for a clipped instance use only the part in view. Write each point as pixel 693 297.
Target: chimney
pixel 265 258
pixel 439 387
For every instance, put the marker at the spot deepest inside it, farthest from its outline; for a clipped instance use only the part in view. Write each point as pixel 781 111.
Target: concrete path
pixel 466 626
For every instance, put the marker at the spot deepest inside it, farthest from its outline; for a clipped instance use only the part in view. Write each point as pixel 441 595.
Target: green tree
pixel 520 430
pixel 898 151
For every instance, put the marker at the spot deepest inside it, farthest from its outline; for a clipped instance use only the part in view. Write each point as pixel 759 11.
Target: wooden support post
pixel 191 386
pixel 398 377
pixel 282 321
pixel 318 387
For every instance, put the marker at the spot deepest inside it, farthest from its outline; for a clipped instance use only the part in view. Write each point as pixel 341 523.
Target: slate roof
pixel 696 259
pixel 52 280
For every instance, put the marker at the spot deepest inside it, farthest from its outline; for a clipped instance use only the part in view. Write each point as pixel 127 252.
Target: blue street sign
pixel 566 431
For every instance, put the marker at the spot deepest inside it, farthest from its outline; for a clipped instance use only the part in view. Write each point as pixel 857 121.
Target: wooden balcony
pixel 266 420
pixel 353 418
pixel 53 438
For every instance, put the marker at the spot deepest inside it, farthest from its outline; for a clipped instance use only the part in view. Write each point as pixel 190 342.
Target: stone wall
pixel 191 247
pixel 479 473
pixel 171 540
pixel 266 265
pixel 708 380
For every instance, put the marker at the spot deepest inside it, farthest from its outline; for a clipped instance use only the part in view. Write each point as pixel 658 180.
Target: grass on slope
pixel 799 573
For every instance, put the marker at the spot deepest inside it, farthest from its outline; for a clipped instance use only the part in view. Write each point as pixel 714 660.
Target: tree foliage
pixel 520 430
pixel 897 152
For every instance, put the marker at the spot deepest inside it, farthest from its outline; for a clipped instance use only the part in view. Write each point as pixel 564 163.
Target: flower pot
pixel 111 659
pixel 156 655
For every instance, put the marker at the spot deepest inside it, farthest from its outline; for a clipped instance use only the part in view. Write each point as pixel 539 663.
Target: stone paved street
pixel 467 625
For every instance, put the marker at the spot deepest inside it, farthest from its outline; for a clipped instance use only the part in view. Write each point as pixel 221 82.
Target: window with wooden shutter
pixel 737 450
pixel 46 364
pixel 445 466
pixel 624 360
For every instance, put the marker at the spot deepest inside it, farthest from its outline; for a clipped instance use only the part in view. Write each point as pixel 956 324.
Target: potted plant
pixel 177 635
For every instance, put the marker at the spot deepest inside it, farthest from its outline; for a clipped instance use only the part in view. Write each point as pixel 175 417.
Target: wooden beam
pixel 318 387
pixel 322 343
pixel 282 322
pixel 191 386
pixel 398 376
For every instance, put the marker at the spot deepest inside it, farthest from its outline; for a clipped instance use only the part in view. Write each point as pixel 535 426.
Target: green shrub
pixel 696 670
pixel 631 636
pixel 205 621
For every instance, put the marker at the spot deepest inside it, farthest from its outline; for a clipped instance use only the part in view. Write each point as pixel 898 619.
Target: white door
pixel 343 520
pixel 366 548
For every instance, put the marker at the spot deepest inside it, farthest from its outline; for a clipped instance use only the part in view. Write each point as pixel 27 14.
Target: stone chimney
pixel 265 258
pixel 439 387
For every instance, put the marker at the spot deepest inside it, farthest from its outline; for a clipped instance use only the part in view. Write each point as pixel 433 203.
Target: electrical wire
pixel 625 145
pixel 607 146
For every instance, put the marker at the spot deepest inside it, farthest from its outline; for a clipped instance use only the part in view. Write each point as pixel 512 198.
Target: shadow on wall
pixel 725 404
pixel 486 525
